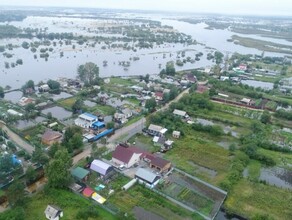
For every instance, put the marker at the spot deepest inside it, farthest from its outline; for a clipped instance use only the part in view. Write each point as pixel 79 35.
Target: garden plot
pixel 193 193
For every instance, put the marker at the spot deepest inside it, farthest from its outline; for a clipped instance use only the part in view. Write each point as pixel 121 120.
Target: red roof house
pixel 124 156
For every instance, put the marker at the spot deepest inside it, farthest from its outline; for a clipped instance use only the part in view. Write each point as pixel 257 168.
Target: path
pixel 120 135
pixel 175 100
pixel 16 139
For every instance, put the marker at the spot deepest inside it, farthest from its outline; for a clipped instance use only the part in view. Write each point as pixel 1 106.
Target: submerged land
pixel 205 123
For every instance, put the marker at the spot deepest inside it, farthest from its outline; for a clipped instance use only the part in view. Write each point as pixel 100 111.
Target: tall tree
pixel 88 73
pixel 150 104
pixel 58 170
pixel 15 193
pixel 1 92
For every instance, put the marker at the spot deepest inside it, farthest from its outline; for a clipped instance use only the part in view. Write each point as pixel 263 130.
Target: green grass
pixel 103 109
pixel 67 103
pixel 282 159
pixel 69 202
pixel 138 195
pixel 134 101
pixel 249 199
pixel 120 81
pixel 200 149
pixel 133 120
pixel 254 168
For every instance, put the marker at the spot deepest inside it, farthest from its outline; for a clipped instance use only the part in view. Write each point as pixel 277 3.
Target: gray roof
pixel 52 211
pixel 100 167
pixel 146 175
pixel 156 128
pixel 179 112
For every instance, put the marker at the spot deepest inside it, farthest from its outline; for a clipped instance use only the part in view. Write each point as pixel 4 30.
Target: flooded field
pixel 58 112
pixel 277 176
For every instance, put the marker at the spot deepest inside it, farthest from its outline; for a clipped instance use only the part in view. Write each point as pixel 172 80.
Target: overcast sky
pixel 254 7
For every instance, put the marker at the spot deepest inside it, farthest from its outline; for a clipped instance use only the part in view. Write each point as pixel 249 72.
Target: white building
pixel 85 120
pixel 53 213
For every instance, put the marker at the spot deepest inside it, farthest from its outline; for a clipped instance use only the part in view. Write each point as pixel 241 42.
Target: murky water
pixel 24 124
pixel 255 84
pixel 58 112
pixel 277 176
pixel 41 70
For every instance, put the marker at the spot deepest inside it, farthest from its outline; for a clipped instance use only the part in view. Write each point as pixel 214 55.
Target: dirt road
pixel 16 139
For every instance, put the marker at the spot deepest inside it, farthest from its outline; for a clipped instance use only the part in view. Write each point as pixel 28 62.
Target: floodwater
pixel 255 84
pixel 89 103
pixel 23 124
pixel 277 176
pixel 14 97
pixel 150 59
pixel 58 112
pixel 62 95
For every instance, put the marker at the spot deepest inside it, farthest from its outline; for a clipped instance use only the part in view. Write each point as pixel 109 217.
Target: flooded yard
pixel 58 112
pixel 277 176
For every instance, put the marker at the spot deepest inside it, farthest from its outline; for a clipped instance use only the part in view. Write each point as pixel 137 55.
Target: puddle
pixel 277 176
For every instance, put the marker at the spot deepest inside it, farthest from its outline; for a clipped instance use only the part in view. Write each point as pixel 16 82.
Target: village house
pixel 120 118
pixel 85 120
pixel 50 137
pixel 126 157
pixel 155 130
pixel 158 96
pixel 190 78
pixel 247 101
pixel 44 88
pixel 147 177
pixel 25 101
pixel 160 164
pixel 176 134
pixel 102 168
pixel 53 212
pixel 127 112
pixel 180 113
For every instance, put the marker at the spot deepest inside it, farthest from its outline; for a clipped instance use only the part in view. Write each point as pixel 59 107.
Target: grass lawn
pixel 200 149
pixel 104 109
pixel 138 195
pixel 281 159
pixel 66 200
pixel 254 168
pixel 120 81
pixel 67 103
pixel 133 120
pixel 249 199
pixel 134 101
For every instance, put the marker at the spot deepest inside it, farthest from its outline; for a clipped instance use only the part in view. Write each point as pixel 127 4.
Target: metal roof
pixel 79 173
pixel 146 175
pixel 155 127
pixel 99 167
pixel 179 112
pixel 88 117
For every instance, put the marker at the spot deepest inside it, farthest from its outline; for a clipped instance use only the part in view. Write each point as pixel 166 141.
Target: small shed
pixel 101 167
pixel 160 164
pixel 87 192
pixel 50 137
pixel 80 174
pixel 176 134
pixel 53 212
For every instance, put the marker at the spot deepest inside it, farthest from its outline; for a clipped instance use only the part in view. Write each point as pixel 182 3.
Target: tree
pixel 150 104
pixel 58 170
pixel 29 107
pixel 110 125
pixel 53 149
pixel 77 106
pixel 266 117
pixel 88 73
pixel 170 70
pixel 1 92
pixel 212 92
pixel 73 138
pixel 39 156
pixel 15 193
pixel 54 86
pixel 173 93
pixel 30 174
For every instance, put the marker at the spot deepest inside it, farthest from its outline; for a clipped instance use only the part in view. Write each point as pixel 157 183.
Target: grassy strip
pixel 250 199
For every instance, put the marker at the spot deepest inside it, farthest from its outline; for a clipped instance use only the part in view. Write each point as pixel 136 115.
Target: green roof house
pixel 80 174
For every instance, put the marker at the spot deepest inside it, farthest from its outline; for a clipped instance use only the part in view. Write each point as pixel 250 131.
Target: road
pixel 175 100
pixel 16 139
pixel 125 133
pixel 120 135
